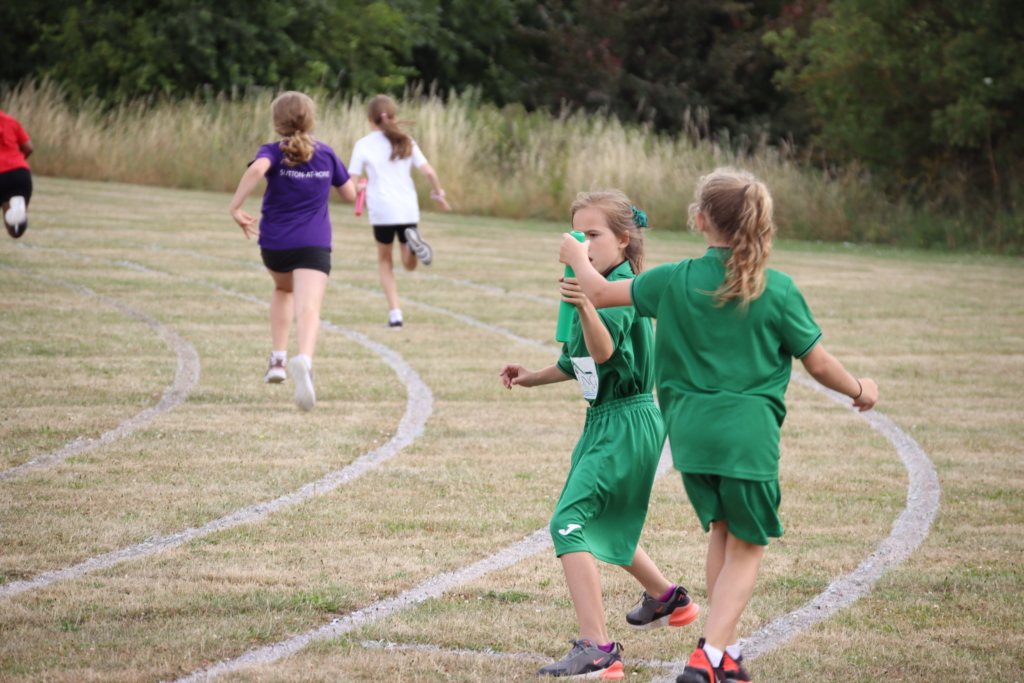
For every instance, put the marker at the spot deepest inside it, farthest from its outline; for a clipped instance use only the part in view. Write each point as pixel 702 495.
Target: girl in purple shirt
pixel 294 232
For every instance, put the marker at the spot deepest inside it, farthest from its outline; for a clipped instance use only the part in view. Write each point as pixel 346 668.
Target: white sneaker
pixel 419 246
pixel 16 213
pixel 305 394
pixel 275 371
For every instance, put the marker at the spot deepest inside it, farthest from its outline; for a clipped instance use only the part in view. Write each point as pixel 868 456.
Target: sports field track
pixel 135 317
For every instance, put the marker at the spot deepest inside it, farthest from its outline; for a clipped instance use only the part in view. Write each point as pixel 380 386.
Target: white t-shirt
pixel 390 194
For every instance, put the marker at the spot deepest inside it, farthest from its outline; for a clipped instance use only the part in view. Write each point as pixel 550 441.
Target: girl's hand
pixel 571 251
pixel 439 198
pixel 868 395
pixel 572 293
pixel 515 374
pixel 245 222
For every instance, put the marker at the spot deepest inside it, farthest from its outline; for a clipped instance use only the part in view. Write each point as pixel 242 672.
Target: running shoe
pixel 395 324
pixel 699 669
pixel 733 669
pixel 422 250
pixel 305 394
pixel 587 660
pixel 275 371
pixel 16 218
pixel 678 610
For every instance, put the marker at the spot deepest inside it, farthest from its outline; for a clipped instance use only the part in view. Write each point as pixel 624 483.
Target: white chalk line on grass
pixel 910 528
pixel 185 377
pixel 419 406
pixel 376 292
pixel 434 587
pixel 908 531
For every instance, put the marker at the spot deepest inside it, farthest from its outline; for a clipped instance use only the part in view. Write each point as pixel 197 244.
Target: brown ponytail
pixel 619 214
pixel 739 207
pixel 382 111
pixel 294 116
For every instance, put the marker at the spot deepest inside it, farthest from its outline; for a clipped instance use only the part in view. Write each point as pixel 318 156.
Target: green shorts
pixel 604 501
pixel 750 508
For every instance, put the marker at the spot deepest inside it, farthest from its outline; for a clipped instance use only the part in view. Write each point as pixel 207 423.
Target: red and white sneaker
pixel 699 669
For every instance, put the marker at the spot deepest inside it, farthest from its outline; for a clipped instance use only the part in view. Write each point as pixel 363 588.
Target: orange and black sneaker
pixel 699 669
pixel 733 669
pixel 678 610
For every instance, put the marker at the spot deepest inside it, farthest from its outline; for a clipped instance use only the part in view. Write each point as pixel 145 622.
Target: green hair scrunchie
pixel 639 218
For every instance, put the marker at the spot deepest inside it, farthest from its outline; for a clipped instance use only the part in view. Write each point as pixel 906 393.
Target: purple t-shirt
pixel 295 203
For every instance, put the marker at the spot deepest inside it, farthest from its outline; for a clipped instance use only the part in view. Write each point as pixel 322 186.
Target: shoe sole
pixel 681 616
pixel 275 378
pixel 612 673
pixel 305 394
pixel 422 250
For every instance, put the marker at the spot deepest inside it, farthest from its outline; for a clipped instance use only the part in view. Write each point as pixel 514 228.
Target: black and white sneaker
pixel 16 217
pixel 395 324
pixel 419 247
pixel 275 371
pixel 678 610
pixel 587 660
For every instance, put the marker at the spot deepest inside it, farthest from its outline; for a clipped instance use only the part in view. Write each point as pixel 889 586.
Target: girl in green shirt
pixel 603 504
pixel 728 329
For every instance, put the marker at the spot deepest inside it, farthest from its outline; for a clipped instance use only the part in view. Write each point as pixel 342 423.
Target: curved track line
pixel 908 531
pixel 186 377
pixel 419 406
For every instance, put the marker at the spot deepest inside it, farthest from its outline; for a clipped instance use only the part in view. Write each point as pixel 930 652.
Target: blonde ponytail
pixel 383 111
pixel 739 208
pixel 294 116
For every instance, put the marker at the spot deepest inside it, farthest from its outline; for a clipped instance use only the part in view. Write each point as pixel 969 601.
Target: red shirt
pixel 11 136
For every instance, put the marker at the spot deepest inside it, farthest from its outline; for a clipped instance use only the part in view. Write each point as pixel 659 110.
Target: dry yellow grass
pixel 491 162
pixel 944 336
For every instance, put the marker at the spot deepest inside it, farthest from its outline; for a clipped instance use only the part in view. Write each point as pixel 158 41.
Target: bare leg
pixel 409 259
pixel 386 269
pixel 309 295
pixel 733 587
pixel 716 559
pixel 281 302
pixel 647 573
pixel 585 589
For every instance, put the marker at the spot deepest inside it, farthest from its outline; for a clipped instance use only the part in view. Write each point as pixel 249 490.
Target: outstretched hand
pixel 868 395
pixel 515 374
pixel 246 223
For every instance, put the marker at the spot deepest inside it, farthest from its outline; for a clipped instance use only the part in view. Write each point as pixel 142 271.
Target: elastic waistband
pixel 620 405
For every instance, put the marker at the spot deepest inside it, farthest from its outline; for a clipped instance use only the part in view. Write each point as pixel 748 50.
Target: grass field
pixel 942 334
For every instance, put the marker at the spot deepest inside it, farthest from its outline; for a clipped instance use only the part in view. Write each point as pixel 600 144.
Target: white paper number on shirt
pixel 586 374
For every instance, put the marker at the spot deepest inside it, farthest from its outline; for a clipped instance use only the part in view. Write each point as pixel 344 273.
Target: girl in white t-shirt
pixel 385 157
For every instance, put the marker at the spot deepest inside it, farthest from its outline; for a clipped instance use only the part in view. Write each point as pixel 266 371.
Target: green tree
pixel 930 93
pixel 122 48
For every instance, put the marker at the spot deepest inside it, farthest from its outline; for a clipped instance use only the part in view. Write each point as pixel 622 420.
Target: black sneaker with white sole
pixel 678 610
pixel 418 246
pixel 587 660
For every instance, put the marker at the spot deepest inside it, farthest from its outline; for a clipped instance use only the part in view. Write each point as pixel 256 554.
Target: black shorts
pixel 287 260
pixel 15 183
pixel 385 234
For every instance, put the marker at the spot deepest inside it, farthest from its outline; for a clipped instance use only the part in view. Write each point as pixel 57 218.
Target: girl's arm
pixel 27 148
pixel 602 294
pixel 825 368
pixel 515 374
pixel 246 185
pixel 595 334
pixel 348 190
pixel 435 186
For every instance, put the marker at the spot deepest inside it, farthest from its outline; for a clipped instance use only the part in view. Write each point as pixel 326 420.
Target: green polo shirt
pixel 630 370
pixel 722 372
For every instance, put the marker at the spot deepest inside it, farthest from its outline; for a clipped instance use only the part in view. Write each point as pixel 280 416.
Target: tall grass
pixel 492 161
